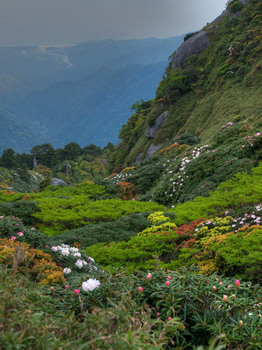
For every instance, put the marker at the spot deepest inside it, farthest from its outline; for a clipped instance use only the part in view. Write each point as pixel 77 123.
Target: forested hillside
pixel 154 243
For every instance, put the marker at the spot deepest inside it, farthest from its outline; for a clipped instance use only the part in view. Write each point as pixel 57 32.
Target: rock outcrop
pixel 151 150
pixel 193 46
pixel 58 182
pixel 151 131
pixel 198 42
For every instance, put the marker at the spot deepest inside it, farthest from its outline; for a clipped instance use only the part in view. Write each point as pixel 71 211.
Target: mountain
pixel 75 85
pixel 16 133
pixel 214 78
pixel 91 110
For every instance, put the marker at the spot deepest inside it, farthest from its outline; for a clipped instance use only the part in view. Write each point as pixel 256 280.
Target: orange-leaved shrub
pixel 38 264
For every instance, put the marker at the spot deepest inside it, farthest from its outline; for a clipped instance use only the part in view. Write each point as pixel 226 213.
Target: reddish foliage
pixel 127 190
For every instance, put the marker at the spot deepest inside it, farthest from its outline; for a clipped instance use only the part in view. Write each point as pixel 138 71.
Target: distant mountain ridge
pixel 32 78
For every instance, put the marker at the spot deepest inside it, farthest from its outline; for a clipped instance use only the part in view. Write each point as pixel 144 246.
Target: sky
pixel 50 22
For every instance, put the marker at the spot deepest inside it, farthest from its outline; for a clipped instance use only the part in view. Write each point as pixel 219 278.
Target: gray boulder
pixel 151 150
pixel 193 46
pixel 151 131
pixel 58 182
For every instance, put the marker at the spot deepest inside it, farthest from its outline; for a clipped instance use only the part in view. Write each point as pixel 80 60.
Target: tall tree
pixel 45 154
pixel 8 159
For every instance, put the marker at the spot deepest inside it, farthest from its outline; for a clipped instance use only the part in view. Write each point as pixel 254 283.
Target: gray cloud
pixel 33 22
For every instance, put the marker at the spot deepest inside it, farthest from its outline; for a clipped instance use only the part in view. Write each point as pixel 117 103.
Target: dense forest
pixel 154 243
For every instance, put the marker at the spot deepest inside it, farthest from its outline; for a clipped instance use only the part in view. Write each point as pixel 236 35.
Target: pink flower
pixel 167 283
pixel 237 283
pixel 67 286
pixel 140 289
pixel 77 291
pixel 158 314
pixel 13 238
pixel 169 278
pixel 149 276
pixel 169 318
pixel 20 234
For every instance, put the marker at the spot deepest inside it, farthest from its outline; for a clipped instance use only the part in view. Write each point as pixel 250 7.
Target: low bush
pixel 149 250
pixel 62 214
pixel 119 230
pixel 34 262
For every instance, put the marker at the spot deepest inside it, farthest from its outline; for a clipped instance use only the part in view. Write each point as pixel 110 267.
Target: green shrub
pixel 23 209
pixel 61 214
pixel 148 250
pixel 119 230
pixel 241 190
pixel 235 6
pixel 238 253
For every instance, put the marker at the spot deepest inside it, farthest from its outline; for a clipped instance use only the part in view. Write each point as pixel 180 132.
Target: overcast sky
pixel 43 22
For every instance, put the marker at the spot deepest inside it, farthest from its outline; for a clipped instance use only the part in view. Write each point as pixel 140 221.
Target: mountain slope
pixel 17 134
pixel 211 88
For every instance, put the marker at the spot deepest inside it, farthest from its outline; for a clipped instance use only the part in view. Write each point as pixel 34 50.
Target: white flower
pixel 65 251
pixel 90 284
pixel 54 249
pixel 74 250
pixel 67 270
pixel 77 254
pixel 79 263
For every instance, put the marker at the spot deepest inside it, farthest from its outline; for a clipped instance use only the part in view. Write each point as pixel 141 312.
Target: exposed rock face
pixel 223 14
pixel 58 182
pixel 197 43
pixel 193 46
pixel 138 158
pixel 151 131
pixel 151 150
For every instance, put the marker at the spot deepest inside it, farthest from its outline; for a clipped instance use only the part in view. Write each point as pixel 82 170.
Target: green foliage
pixel 238 253
pixel 121 229
pixel 235 6
pixel 23 209
pixel 60 214
pixel 160 223
pixel 187 139
pixel 189 35
pixel 241 190
pixel 150 249
pixel 147 175
pixel 10 226
pixel 212 88
pixel 13 226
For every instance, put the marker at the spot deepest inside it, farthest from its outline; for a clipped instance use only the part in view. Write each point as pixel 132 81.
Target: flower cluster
pixel 74 253
pixel 66 250
pixel 248 219
pixel 178 180
pixel 11 227
pixel 116 179
pixel 250 139
pixel 226 126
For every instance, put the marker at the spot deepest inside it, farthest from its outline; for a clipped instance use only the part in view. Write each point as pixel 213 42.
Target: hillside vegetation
pixel 147 247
